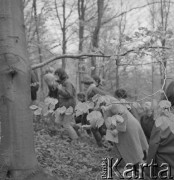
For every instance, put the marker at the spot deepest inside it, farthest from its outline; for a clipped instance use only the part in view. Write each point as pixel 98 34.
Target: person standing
pixel 34 85
pixel 66 97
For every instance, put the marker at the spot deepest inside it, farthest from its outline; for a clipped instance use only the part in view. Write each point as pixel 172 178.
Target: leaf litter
pixel 77 160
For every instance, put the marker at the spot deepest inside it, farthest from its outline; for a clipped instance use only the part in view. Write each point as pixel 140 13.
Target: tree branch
pixel 57 13
pixel 71 11
pixel 78 56
pixel 140 48
pixel 125 12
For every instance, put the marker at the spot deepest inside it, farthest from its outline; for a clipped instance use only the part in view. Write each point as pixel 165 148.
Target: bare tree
pixel 38 41
pixel 121 29
pixel 81 14
pixel 96 32
pixel 160 21
pixel 164 12
pixel 64 25
pixel 152 10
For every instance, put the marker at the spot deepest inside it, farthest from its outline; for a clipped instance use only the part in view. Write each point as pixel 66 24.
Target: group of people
pixel 140 141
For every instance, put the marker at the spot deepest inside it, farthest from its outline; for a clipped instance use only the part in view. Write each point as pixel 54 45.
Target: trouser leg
pixel 97 136
pixel 67 124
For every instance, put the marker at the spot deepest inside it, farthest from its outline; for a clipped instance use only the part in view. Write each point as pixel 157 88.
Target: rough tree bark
pixel 17 155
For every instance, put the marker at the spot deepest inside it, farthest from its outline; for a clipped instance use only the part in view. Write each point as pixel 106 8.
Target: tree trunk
pixel 163 65
pixel 95 37
pixel 17 155
pixel 165 10
pixel 121 28
pixel 63 27
pixel 38 46
pixel 64 34
pixel 117 73
pixel 81 13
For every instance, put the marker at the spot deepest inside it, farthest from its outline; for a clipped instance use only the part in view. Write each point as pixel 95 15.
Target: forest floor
pixel 78 160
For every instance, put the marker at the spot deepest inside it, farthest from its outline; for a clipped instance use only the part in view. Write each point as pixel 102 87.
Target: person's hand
pixel 93 85
pixel 114 132
pixel 112 127
pixel 85 127
pixel 59 86
pixel 34 84
pixel 54 84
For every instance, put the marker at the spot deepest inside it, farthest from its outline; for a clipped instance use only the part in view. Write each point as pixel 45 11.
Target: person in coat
pixel 147 119
pixel 67 98
pixel 91 91
pixel 161 145
pixel 91 88
pixel 131 140
pixel 34 85
pixel 122 94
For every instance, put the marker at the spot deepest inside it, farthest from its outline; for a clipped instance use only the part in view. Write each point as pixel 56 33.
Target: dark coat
pixel 53 92
pixel 147 123
pixel 161 149
pixel 93 90
pixel 67 95
pixel 34 85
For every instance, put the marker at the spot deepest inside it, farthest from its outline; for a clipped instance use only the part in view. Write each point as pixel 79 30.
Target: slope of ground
pixel 79 160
